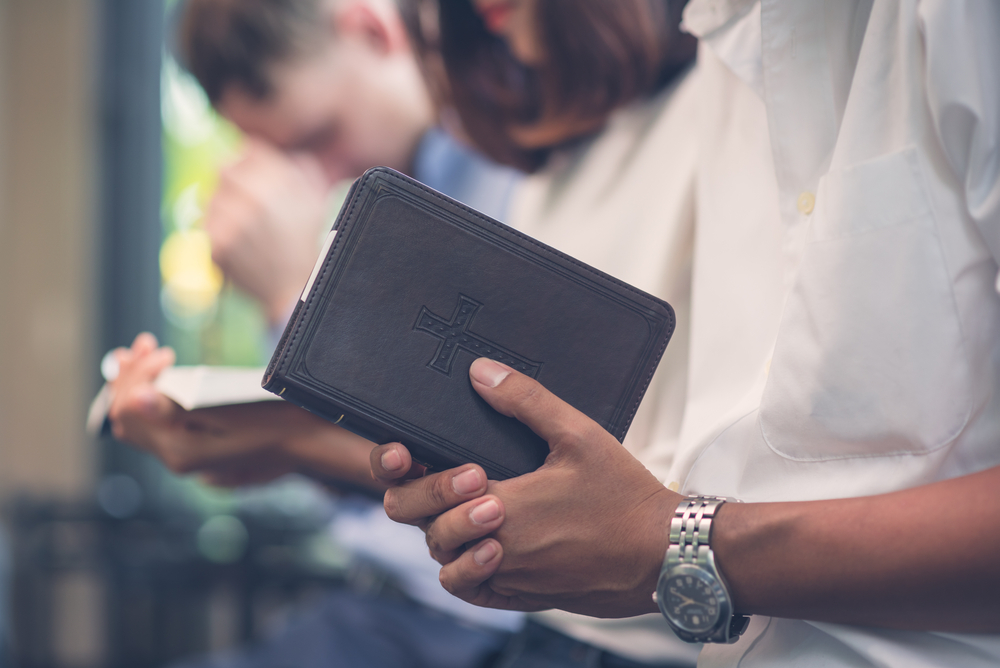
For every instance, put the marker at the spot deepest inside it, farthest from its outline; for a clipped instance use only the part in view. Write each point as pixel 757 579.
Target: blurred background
pixel 108 152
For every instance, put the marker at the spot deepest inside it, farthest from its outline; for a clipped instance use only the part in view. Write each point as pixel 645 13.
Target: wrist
pixel 304 442
pixel 643 542
pixel 657 531
pixel 755 545
pixel 731 537
pixel 334 456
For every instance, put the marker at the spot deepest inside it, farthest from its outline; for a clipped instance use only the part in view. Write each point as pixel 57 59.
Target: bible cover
pixel 413 286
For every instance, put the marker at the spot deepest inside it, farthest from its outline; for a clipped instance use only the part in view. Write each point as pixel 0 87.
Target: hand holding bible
pixel 586 532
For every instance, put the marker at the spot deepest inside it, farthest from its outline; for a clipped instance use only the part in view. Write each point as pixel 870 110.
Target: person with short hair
pixel 323 90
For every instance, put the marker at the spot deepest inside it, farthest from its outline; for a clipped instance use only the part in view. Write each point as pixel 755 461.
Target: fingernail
pixel 485 512
pixel 487 372
pixel 486 553
pixel 391 461
pixel 467 482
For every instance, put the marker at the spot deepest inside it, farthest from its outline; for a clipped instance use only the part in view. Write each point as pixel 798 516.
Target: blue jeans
pixel 351 630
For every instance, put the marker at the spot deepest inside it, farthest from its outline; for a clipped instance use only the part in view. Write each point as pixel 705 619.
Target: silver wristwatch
pixel 691 592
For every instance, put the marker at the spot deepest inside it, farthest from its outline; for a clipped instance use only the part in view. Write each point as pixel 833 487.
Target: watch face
pixel 691 598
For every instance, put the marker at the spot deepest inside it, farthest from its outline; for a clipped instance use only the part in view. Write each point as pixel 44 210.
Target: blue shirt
pixel 462 173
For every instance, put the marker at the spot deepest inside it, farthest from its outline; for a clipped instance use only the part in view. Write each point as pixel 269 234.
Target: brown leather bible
pixel 413 286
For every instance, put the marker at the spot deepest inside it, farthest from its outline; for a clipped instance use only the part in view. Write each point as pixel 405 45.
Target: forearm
pixel 927 558
pixel 337 458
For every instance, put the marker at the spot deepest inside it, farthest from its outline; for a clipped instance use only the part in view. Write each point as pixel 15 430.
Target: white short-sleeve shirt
pixel 845 332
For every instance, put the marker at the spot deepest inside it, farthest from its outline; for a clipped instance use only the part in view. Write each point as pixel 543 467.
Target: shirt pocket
pixel 869 359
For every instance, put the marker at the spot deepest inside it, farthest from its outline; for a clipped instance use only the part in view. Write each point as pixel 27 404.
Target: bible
pixel 411 287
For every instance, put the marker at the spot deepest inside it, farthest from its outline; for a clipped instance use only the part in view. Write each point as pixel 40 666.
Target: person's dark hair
pixel 226 42
pixel 598 56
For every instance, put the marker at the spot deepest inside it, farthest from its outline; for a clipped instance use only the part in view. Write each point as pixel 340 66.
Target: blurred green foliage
pixel 207 321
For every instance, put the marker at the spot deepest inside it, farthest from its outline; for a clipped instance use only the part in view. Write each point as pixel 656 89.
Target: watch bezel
pixel 724 604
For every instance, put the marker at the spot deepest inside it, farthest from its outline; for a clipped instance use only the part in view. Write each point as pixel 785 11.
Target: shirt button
pixel 806 202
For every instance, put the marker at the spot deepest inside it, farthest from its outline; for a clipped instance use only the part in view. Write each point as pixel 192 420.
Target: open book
pixel 194 387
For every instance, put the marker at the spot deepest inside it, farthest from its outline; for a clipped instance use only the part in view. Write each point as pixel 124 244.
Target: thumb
pixel 147 368
pixel 145 402
pixel 515 395
pixel 139 412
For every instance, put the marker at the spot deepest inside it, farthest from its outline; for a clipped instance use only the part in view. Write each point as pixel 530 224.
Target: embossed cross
pixel 455 336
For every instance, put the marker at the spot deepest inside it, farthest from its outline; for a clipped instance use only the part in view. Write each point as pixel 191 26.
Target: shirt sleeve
pixel 962 42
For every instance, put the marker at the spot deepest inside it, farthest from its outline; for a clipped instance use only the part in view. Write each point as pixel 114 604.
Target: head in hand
pixel 323 90
pixel 334 79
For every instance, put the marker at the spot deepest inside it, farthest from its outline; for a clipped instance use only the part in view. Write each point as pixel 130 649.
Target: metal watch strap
pixel 690 534
pixel 690 530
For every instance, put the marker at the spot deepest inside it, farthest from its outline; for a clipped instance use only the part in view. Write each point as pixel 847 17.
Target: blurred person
pixel 843 367
pixel 599 99
pixel 599 195
pixel 322 90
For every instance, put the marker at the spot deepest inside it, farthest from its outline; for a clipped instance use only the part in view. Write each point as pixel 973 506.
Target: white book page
pixel 204 386
pixel 319 263
pixel 195 387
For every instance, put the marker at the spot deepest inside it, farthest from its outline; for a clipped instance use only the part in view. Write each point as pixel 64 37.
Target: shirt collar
pixel 732 30
pixel 704 17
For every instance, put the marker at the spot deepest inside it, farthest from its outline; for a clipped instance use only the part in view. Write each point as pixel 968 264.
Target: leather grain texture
pixel 415 287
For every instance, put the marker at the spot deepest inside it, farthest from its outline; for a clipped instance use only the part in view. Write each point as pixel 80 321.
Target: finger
pixel 262 167
pixel 123 356
pixel 142 355
pixel 129 360
pixel 516 395
pixel 254 144
pixel 227 219
pixel 137 411
pixel 144 402
pixel 467 523
pixel 392 462
pixel 463 576
pixel 144 343
pixel 146 369
pixel 467 577
pixel 252 147
pixel 143 371
pixel 413 501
